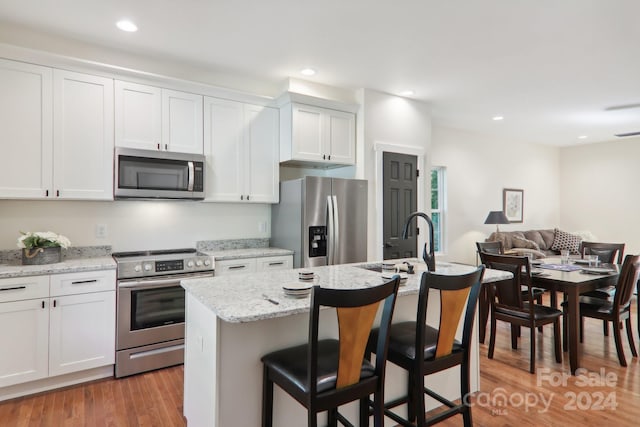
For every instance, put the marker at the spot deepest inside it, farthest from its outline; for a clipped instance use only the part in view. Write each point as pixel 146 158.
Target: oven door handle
pixel 191 177
pixel 156 283
pixel 149 283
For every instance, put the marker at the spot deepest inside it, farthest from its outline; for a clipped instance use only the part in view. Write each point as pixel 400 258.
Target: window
pixel 438 190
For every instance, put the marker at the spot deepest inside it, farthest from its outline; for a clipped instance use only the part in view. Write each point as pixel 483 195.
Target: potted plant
pixel 42 247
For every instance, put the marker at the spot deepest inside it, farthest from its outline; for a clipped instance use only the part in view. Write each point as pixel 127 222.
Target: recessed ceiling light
pixel 407 93
pixel 126 25
pixel 582 137
pixel 498 118
pixel 308 72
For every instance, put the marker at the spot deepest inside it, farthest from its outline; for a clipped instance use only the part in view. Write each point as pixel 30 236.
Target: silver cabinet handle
pixel 277 263
pixel 237 267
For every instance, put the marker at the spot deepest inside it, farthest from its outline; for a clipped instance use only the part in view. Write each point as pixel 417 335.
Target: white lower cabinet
pixel 24 333
pixel 82 332
pixel 253 265
pixel 55 325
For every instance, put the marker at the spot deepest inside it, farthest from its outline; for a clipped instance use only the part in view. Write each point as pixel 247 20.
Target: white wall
pixel 599 186
pixel 478 168
pixel 133 225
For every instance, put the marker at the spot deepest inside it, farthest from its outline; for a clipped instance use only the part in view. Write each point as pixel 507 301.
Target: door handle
pixel 389 245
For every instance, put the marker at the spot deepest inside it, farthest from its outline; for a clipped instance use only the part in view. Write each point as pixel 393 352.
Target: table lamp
pixel 496 217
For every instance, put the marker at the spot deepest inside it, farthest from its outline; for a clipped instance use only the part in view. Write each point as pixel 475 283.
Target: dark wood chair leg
pixel 618 339
pixel 465 390
pixel 267 399
pixel 411 406
pixel 539 302
pixel 605 328
pixel 581 329
pixel 565 330
pixel 632 344
pixel 492 338
pixel 419 403
pixel 332 417
pixel 483 313
pixel 515 333
pixel 364 411
pixel 312 418
pixel 557 345
pixel 532 334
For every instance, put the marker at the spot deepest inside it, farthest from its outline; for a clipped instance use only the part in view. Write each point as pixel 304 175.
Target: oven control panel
pixel 174 265
pixel 134 268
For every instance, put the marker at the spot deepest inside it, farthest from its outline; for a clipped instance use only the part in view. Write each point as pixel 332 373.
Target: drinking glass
pixel 593 260
pixel 564 257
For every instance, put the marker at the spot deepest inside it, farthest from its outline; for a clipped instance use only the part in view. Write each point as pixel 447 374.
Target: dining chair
pixel 536 293
pixel 617 310
pixel 508 305
pixel 421 349
pixel 608 253
pixel 324 374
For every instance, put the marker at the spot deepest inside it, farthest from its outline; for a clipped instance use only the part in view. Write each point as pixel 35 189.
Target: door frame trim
pixel 380 148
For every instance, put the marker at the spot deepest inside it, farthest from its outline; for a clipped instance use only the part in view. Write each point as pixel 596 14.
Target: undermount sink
pixel 371 267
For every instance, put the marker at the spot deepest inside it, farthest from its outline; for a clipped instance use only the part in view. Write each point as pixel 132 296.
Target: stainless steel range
pixel 150 307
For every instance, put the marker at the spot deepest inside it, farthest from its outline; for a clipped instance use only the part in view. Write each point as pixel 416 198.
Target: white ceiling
pixel 550 67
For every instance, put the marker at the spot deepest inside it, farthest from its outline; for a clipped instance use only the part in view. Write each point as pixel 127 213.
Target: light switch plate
pixel 101 231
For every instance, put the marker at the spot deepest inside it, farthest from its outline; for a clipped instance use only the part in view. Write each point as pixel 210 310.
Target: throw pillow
pixel 519 242
pixel 563 240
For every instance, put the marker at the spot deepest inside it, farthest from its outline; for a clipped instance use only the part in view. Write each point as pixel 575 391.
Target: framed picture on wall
pixel 512 204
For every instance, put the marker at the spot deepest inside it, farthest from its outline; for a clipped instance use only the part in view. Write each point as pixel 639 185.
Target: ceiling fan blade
pixel 621 107
pixel 621 135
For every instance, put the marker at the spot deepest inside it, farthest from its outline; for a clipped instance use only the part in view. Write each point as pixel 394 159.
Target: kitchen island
pixel 230 324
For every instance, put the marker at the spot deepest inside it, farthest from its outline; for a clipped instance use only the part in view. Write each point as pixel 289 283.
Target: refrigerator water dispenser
pixel 317 241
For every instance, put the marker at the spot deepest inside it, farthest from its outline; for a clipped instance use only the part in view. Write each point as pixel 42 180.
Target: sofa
pixel 540 243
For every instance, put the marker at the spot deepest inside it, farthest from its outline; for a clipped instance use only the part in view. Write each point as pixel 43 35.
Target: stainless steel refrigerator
pixel 323 220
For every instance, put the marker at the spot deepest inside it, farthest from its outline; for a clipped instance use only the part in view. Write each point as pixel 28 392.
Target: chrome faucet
pixel 429 258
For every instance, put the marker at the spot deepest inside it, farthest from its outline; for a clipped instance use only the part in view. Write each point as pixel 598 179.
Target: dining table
pixel 572 279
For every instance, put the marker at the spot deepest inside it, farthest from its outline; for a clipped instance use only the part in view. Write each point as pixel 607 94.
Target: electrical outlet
pixel 262 226
pixel 101 231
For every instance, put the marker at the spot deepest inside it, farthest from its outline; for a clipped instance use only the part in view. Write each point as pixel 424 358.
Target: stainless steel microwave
pixel 148 174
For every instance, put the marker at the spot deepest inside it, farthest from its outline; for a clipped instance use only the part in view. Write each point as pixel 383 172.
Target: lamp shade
pixel 496 217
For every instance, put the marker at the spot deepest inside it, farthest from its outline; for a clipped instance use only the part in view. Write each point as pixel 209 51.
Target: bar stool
pixel 324 374
pixel 423 350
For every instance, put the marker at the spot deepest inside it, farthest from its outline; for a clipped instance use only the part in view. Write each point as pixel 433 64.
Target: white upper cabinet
pixel 82 136
pixel 181 121
pixel 57 132
pixel 151 118
pixel 316 135
pixel 26 130
pixel 241 146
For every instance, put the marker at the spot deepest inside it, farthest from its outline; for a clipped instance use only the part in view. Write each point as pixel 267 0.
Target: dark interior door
pixel 399 187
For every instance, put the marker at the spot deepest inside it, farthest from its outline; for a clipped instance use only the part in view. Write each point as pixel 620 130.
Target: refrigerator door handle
pixel 330 231
pixel 336 231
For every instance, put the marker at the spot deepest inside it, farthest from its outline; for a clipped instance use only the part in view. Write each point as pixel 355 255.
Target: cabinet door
pixel 137 116
pixel 25 130
pixel 224 150
pixel 274 263
pixel 308 133
pixel 82 332
pixel 181 122
pixel 83 136
pixel 341 135
pixel 261 170
pixel 24 334
pixel 235 266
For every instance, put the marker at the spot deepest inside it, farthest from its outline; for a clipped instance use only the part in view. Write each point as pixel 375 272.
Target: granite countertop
pixel 9 270
pixel 240 298
pixel 229 254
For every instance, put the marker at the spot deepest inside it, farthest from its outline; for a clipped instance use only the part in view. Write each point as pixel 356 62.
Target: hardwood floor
pixel 545 399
